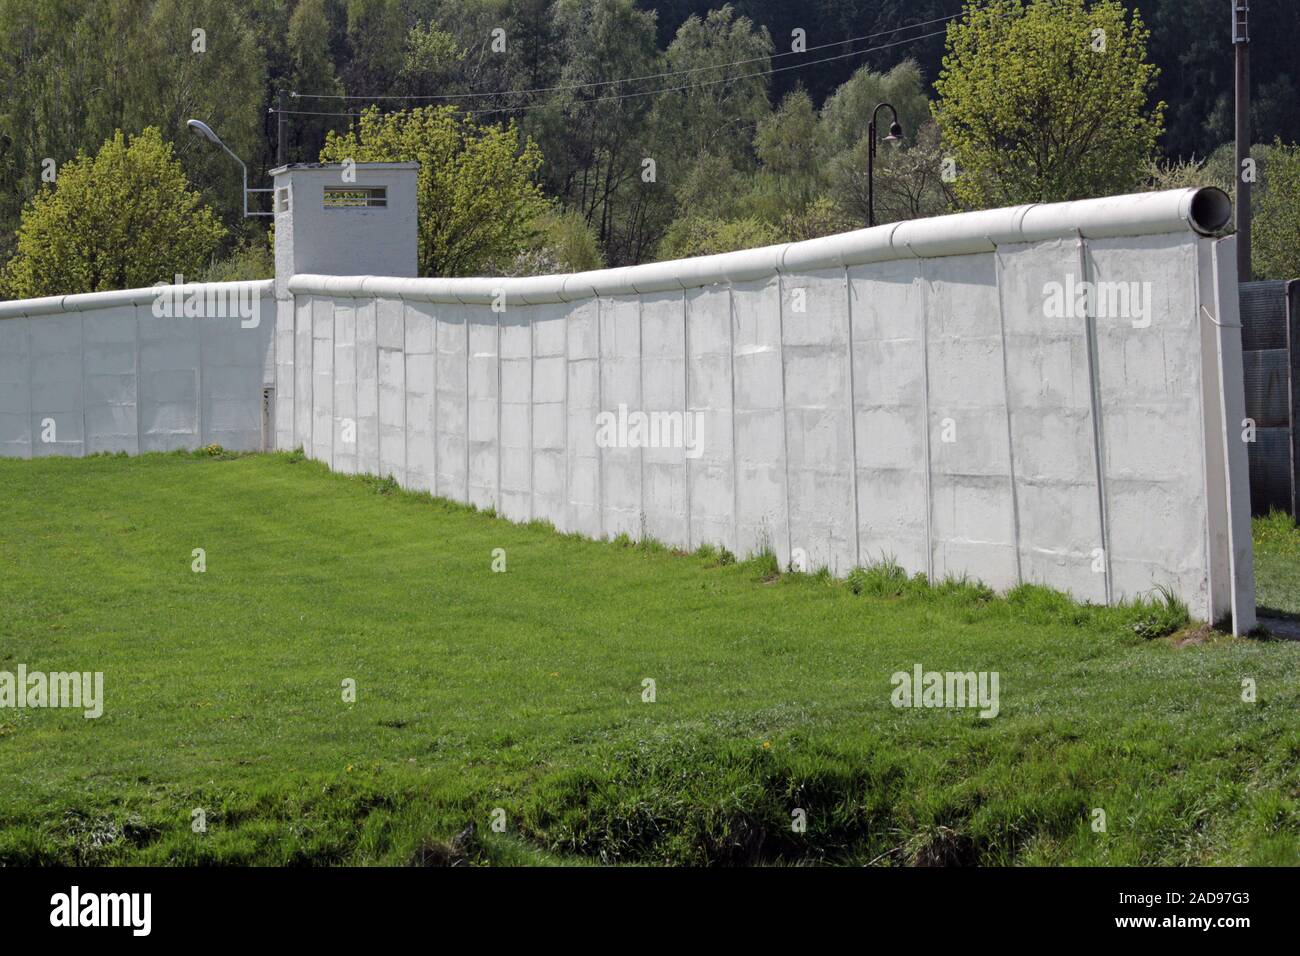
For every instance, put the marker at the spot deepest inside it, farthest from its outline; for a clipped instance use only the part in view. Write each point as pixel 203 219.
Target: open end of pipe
pixel 1211 210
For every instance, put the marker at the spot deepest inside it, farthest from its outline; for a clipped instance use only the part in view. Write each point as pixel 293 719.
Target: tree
pixel 848 110
pixel 476 192
pixel 1275 235
pixel 124 218
pixel 791 144
pixel 696 236
pixel 564 243
pixel 1048 102
pixel 909 179
pixel 312 71
pixel 717 112
pixel 376 46
pixel 598 144
pixel 73 73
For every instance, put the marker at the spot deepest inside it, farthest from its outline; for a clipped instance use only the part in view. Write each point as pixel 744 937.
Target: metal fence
pixel 1270 340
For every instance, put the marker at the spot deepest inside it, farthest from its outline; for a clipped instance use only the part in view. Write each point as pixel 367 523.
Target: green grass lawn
pixel 1277 565
pixel 523 691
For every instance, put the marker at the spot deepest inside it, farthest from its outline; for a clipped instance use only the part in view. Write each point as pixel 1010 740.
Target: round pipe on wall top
pixel 1209 210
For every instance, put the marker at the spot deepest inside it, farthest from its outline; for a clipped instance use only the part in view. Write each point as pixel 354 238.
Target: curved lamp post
pixel 895 135
pixel 204 131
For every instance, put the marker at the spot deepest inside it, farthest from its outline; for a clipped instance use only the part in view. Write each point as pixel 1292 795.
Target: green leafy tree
pixel 124 218
pixel 717 112
pixel 694 236
pixel 1275 231
pixel 598 144
pixel 909 181
pixel 73 73
pixel 477 197
pixel 821 217
pixel 564 243
pixel 1047 102
pixel 432 57
pixel 377 37
pixel 848 110
pixel 791 144
pixel 312 70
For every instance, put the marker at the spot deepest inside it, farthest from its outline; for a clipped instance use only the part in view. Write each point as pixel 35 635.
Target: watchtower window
pixel 351 197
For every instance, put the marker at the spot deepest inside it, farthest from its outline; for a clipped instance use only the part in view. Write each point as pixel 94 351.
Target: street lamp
pixel 895 136
pixel 204 131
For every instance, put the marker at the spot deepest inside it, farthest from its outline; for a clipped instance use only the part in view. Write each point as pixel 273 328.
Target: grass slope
pixel 523 691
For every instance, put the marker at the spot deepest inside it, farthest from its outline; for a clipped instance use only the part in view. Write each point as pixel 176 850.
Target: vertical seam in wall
pixel 600 404
pixel 311 376
pixel 334 376
pixel 566 524
pixel 198 398
pixel 85 444
pixel 379 419
pixel 735 467
pixel 686 410
pixel 532 404
pixel 356 391
pixel 1094 395
pixel 500 441
pixel 640 397
pixel 435 353
pixel 785 425
pixel 467 401
pixel 31 382
pixel 853 425
pixel 406 390
pixel 297 364
pixel 269 437
pixel 1006 399
pixel 139 437
pixel 925 413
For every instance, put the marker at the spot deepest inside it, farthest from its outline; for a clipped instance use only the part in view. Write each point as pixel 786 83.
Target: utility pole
pixel 281 129
pixel 1241 44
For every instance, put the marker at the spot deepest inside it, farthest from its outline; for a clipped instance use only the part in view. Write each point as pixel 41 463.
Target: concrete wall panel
pixel 759 432
pixel 484 408
pixel 451 378
pixel 322 379
pixel 663 378
pixel 345 386
pixel 421 466
pixel 819 419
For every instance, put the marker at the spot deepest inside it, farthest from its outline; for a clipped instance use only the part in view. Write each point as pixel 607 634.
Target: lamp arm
pixel 893 112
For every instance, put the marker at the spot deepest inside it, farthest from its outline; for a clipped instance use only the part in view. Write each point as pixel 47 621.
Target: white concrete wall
pixel 829 378
pixel 112 376
pixel 893 392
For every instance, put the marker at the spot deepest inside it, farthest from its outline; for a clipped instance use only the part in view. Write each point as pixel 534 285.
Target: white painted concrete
pixel 103 373
pixel 311 237
pixel 899 391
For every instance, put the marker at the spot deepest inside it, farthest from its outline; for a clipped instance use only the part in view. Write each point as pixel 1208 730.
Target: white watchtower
pixel 353 219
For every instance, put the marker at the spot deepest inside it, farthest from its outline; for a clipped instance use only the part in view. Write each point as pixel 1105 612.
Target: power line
pixel 628 79
pixel 670 89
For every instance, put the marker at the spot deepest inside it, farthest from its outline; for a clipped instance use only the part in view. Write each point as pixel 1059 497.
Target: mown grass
pixel 1277 564
pixel 523 691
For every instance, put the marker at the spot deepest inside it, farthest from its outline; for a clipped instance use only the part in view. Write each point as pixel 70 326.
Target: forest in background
pixel 771 148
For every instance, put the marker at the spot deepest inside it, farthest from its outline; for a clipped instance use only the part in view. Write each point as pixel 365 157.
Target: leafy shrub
pixel 124 218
